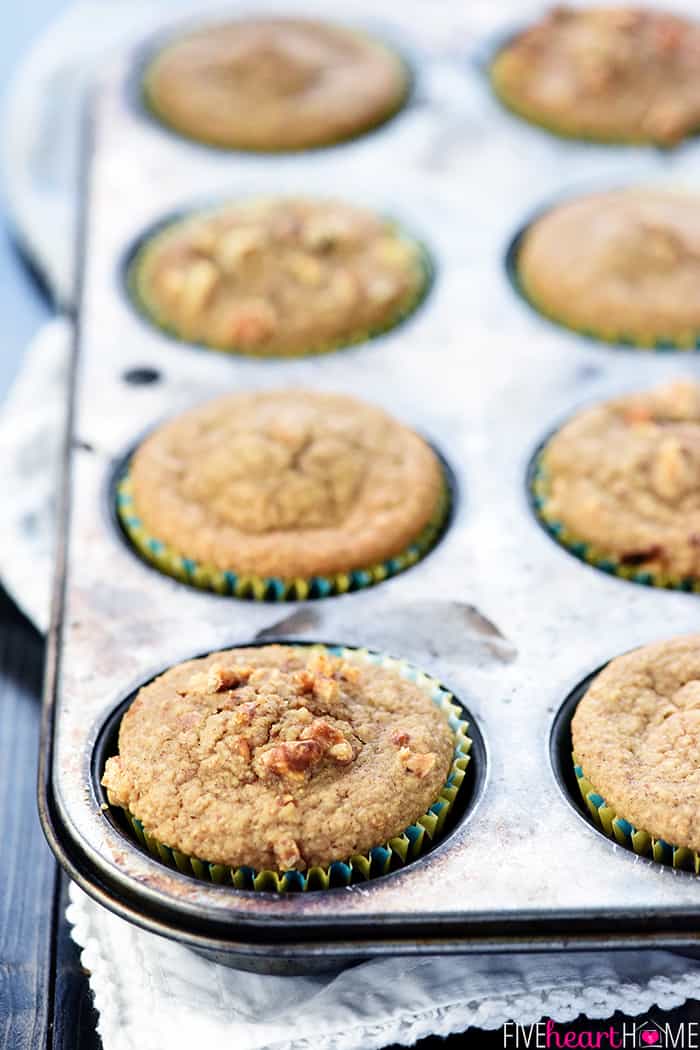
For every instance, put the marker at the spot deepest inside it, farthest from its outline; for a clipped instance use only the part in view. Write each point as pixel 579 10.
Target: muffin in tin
pixel 636 740
pixel 619 484
pixel 608 74
pixel 274 84
pixel 289 493
pixel 621 266
pixel 278 277
pixel 287 759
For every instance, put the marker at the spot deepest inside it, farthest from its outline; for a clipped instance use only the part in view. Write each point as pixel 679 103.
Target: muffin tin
pixel 497 610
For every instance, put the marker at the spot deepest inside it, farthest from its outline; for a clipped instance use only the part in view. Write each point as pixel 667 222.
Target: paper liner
pixel 588 552
pixel 271 588
pixel 625 834
pixel 381 859
pixel 150 312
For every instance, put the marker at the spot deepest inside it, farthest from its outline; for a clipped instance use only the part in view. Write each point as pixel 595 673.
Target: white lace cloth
pixel 150 992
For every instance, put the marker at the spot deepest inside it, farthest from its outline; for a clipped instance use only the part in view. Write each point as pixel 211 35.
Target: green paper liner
pixel 607 820
pixel 151 313
pixel 380 860
pixel 588 552
pixel 268 588
pixel 152 111
pixel 653 342
pixel 569 131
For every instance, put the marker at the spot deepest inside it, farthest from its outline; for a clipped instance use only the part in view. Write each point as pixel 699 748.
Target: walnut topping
pixel 221 678
pixel 341 752
pixel 400 738
pixel 243 748
pixel 290 759
pixel 419 765
pixel 287 853
pixel 323 732
pixel 671 470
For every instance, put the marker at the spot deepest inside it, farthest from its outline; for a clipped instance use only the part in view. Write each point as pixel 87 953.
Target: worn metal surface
pixel 498 611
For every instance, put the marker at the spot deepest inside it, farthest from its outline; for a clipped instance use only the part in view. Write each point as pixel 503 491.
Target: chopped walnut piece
pixel 400 738
pixel 341 752
pixel 291 758
pixel 201 279
pixel 419 765
pixel 220 678
pixel 243 748
pixel 286 853
pixel 671 472
pixel 323 732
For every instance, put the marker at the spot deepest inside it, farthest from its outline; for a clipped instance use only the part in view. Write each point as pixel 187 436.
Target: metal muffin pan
pixel 497 610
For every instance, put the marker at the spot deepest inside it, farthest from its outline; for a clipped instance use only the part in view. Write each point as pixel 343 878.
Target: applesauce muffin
pixel 623 266
pixel 609 74
pixel 278 277
pixel 289 488
pixel 636 739
pixel 283 758
pixel 274 84
pixel 622 479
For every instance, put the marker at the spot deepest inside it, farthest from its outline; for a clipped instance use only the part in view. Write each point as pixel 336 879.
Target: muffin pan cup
pixel 538 488
pixel 496 611
pixel 381 859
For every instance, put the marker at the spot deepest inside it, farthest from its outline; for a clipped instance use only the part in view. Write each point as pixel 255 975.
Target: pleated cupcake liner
pixel 139 95
pixel 150 312
pixel 653 342
pixel 607 820
pixel 381 859
pixel 588 552
pixel 251 587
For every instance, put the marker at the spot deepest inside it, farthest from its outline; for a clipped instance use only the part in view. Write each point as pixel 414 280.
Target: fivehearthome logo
pixel 630 1035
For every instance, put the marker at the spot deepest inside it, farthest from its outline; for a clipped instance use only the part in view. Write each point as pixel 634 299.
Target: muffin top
pixel 636 735
pixel 279 276
pixel 625 477
pixel 279 757
pixel 609 73
pixel 274 84
pixel 621 263
pixel 288 483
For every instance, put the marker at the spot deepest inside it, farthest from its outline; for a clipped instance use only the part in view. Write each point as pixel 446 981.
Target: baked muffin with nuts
pixel 636 738
pixel 274 84
pixel 279 757
pixel 622 265
pixel 623 479
pixel 278 277
pixel 610 74
pixel 319 492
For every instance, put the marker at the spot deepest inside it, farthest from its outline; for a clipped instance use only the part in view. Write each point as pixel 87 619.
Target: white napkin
pixel 150 992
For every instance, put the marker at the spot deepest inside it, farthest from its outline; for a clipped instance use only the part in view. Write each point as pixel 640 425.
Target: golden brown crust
pixel 625 477
pixel 636 735
pixel 620 264
pixel 275 84
pixel 279 276
pixel 607 73
pixel 287 483
pixel 279 757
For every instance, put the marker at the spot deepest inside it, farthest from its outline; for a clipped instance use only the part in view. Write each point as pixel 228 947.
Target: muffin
pixel 623 266
pixel 620 485
pixel 283 493
pixel 278 277
pixel 636 739
pixel 286 758
pixel 609 74
pixel 274 84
